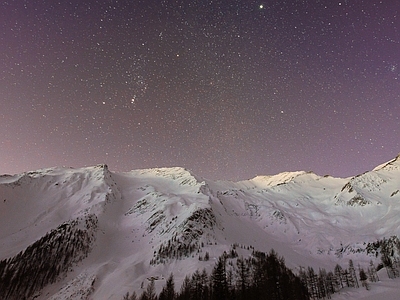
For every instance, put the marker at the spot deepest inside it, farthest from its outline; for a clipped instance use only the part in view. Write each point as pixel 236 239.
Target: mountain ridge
pixel 151 222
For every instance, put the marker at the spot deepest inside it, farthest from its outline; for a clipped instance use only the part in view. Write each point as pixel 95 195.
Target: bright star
pixel 261 6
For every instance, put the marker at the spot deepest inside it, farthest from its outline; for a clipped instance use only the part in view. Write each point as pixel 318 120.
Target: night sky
pixel 226 89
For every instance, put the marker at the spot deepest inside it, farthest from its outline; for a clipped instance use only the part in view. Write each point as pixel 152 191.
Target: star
pixel 216 89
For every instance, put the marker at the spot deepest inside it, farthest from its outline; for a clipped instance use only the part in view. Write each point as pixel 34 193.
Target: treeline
pixel 261 276
pixel 390 255
pixel 46 259
pixel 322 284
pixel 265 276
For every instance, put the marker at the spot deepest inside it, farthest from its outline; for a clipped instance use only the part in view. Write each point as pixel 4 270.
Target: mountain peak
pixel 178 174
pixel 393 163
pixel 272 180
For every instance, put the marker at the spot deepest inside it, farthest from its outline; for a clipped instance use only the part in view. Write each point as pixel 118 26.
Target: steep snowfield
pixel 156 221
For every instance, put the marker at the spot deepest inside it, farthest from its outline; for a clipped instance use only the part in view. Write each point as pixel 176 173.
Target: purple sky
pixel 228 89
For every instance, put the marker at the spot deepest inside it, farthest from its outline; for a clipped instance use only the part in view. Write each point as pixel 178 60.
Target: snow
pixel 386 288
pixel 310 220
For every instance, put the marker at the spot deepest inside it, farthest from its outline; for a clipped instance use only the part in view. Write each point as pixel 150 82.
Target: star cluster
pixel 227 89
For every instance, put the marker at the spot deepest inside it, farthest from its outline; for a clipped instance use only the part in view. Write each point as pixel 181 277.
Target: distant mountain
pixel 90 231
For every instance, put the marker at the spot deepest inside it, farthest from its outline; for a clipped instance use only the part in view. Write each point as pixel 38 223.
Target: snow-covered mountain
pixel 103 233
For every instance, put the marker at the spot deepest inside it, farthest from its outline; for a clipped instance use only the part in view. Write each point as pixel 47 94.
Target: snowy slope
pixel 386 288
pixel 156 221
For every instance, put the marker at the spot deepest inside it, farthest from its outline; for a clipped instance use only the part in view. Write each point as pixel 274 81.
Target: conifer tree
pixel 168 291
pixel 143 296
pixel 206 285
pixel 185 290
pixel 363 279
pixel 352 275
pixel 243 275
pixel 312 283
pixel 197 286
pixel 150 292
pixel 230 284
pixel 219 283
pixel 339 276
pixel 322 284
pixel 207 256
pixel 372 274
pixel 330 283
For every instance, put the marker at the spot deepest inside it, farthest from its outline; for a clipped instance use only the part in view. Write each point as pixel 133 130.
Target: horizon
pixel 194 173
